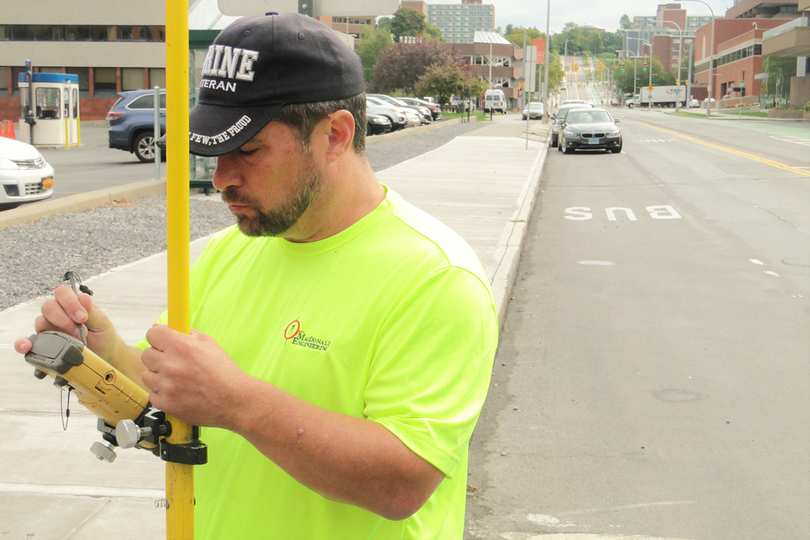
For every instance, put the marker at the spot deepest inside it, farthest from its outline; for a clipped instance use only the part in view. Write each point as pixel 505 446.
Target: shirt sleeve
pixel 431 366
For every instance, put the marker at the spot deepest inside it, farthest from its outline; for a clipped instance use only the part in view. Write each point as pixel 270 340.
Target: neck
pixel 349 193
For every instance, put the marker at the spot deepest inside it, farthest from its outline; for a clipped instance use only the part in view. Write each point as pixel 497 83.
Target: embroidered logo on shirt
pixel 294 335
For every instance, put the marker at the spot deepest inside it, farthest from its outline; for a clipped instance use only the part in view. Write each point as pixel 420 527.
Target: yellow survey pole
pixel 179 476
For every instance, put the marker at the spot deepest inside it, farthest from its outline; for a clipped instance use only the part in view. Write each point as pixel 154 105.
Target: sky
pixel 602 13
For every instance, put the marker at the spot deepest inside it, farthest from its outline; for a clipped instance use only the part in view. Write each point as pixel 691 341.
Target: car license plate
pixel 593 141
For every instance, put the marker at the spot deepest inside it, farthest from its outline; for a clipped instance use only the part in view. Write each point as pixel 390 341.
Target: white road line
pixel 757 261
pixel 771 273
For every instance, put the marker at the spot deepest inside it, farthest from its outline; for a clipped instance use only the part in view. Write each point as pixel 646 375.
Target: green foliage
pixel 384 23
pixel 401 66
pixel 441 82
pixel 807 106
pixel 595 44
pixel 371 47
pixel 516 35
pixel 434 33
pixel 625 23
pixel 407 22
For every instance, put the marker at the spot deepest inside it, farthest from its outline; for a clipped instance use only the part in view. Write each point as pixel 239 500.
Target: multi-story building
pixel 457 22
pixel 748 44
pixel 496 60
pixel 664 31
pixel 109 45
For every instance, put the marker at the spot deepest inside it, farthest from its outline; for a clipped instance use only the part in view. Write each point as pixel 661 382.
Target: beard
pixel 277 221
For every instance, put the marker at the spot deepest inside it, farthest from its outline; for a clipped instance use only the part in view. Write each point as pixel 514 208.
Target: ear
pixel 339 128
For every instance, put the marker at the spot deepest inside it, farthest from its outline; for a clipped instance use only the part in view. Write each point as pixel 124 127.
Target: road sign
pixel 742 83
pixel 650 88
pixel 321 7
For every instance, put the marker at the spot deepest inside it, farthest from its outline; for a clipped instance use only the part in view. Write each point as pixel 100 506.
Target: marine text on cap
pixel 222 61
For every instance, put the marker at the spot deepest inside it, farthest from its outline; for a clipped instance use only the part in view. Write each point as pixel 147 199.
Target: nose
pixel 227 173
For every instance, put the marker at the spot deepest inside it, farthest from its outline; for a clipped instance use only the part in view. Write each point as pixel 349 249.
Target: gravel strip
pixel 36 255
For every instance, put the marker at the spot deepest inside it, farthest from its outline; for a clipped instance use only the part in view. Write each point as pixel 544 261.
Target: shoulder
pixel 428 236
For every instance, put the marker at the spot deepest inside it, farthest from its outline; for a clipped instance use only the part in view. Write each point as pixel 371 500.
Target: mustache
pixel 231 196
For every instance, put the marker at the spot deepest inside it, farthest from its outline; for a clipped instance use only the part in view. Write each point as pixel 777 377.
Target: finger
pixel 150 379
pixel 23 345
pixel 70 304
pixel 157 336
pixel 151 359
pixel 54 318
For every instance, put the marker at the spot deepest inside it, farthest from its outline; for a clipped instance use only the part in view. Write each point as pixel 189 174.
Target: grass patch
pixel 683 113
pixel 479 115
pixel 757 114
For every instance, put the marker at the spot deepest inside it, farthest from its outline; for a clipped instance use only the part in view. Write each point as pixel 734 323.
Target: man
pixel 342 340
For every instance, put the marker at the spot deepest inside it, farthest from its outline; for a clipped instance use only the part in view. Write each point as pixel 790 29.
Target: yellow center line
pixel 729 150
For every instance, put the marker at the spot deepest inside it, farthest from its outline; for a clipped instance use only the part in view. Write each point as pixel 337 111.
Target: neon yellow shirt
pixel 391 320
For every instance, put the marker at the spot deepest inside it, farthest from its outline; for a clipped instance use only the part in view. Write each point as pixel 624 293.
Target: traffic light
pixel 622 67
pixel 645 65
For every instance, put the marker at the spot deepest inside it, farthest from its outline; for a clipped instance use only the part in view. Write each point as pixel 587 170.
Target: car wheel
pixel 9 206
pixel 553 141
pixel 145 147
pixel 616 150
pixel 563 148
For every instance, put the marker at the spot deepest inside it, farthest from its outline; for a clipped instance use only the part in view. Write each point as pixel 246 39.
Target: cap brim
pixel 215 130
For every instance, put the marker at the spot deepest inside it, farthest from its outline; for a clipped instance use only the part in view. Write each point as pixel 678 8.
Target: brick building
pixel 752 31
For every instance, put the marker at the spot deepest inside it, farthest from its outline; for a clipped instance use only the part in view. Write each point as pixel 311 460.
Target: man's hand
pixel 65 312
pixel 191 377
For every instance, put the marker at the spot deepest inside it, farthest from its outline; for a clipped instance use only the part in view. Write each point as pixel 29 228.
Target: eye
pixel 247 151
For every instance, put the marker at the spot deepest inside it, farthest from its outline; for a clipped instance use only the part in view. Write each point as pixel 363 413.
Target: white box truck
pixel 660 96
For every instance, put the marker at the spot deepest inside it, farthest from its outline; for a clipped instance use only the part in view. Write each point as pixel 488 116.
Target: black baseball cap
pixel 259 64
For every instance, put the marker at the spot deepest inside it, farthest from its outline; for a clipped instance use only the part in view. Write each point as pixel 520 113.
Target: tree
pixel 516 36
pixel 441 82
pixel 454 78
pixel 595 44
pixel 384 23
pixel 625 23
pixel 433 32
pixel 407 22
pixel 401 66
pixel 509 29
pixel 371 47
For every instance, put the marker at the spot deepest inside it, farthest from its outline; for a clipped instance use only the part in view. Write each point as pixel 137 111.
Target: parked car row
pixel 131 119
pixel 399 112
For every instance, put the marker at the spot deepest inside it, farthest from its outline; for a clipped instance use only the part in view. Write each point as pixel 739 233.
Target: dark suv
pixel 132 123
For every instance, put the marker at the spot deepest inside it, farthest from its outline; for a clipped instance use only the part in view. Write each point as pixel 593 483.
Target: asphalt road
pixel 653 374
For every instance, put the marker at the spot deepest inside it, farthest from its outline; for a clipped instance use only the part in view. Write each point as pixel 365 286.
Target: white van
pixel 495 100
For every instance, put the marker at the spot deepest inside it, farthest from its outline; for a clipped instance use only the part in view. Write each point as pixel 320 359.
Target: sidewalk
pixel 483 185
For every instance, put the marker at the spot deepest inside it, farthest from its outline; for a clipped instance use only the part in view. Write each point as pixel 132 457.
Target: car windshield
pixel 588 117
pixel 535 106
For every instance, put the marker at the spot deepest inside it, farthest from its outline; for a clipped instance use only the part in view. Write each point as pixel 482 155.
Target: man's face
pixel 269 182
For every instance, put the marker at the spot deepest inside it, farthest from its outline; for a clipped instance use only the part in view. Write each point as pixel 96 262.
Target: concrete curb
pixel 504 279
pixel 82 201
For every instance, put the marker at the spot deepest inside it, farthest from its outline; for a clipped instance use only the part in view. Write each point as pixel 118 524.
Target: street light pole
pixel 711 58
pixel 680 60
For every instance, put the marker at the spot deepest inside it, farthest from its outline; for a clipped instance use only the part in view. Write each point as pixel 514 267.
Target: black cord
pixel 65 415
